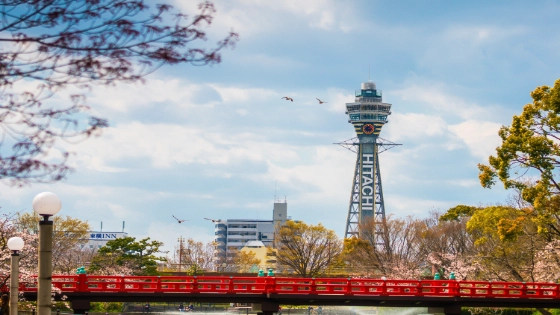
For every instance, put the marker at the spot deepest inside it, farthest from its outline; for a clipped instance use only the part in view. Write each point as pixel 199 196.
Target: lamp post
pixel 45 204
pixel 15 244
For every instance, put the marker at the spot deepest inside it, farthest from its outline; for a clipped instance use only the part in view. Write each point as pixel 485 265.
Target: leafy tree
pixel 192 253
pixel 509 247
pixel 49 45
pixel 28 255
pixel 530 148
pixel 411 247
pixel 458 213
pixel 69 234
pixel 450 246
pixel 506 242
pixel 306 249
pixel 139 257
pixel 244 260
pixel 399 256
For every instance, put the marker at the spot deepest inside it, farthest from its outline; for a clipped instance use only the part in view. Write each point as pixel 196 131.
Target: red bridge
pixel 270 292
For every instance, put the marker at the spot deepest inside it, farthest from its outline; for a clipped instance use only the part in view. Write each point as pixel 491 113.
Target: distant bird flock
pixel 287 98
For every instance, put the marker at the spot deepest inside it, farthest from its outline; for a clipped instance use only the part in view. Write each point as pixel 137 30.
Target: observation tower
pixel 368 114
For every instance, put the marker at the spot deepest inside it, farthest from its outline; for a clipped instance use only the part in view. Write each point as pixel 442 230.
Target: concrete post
pixel 14 283
pixel 45 267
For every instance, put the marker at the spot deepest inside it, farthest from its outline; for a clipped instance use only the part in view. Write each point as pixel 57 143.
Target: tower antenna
pixel 275 183
pixel 369 72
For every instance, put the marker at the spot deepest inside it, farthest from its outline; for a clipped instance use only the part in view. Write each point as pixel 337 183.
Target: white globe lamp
pixel 46 204
pixel 15 244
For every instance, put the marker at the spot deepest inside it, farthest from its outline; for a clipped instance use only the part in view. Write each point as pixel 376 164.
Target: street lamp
pixel 45 204
pixel 15 244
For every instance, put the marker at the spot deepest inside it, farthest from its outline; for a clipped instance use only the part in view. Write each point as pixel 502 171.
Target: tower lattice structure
pixel 368 114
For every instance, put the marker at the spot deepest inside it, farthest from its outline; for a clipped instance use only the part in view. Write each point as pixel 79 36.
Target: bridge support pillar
pixel 266 308
pixel 80 306
pixel 445 310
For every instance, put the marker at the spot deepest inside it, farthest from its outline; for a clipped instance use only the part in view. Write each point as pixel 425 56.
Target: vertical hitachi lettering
pixel 367 114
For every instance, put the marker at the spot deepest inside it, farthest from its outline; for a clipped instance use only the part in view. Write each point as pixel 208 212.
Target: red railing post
pixel 231 288
pixel 82 285
pixel 384 287
pixel 270 285
pixel 158 284
pixel 524 289
pixel 122 287
pixel 453 287
pixel 419 288
pixel 312 287
pixel 349 286
pixel 195 285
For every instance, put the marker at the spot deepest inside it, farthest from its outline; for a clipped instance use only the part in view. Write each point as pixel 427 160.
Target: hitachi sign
pixel 367 182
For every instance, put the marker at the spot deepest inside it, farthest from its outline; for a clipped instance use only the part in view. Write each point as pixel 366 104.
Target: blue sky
pixel 218 141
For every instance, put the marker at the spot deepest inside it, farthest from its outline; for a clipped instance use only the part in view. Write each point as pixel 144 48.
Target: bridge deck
pixel 288 290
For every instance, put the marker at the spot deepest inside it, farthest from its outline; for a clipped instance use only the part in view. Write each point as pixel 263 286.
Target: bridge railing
pixel 288 285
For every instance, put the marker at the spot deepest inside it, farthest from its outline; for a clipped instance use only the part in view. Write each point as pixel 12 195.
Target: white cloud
pixel 252 17
pixel 481 137
pixel 437 100
pixel 125 98
pixel 414 126
pixel 231 94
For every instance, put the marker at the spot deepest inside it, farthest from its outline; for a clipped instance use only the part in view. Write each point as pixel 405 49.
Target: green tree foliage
pixel 308 250
pixel 68 235
pixel 244 260
pixel 530 148
pixel 506 242
pixel 137 256
pixel 458 212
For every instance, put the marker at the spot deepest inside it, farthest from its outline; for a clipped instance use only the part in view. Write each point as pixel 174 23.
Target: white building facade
pixel 233 234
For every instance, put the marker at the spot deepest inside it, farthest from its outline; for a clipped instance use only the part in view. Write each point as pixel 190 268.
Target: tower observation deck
pixel 367 114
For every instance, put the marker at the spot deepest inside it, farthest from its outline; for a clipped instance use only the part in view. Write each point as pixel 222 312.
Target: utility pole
pixel 181 240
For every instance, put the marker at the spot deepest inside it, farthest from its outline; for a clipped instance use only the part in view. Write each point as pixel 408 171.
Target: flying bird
pixel 320 102
pixel 288 98
pixel 214 221
pixel 180 221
